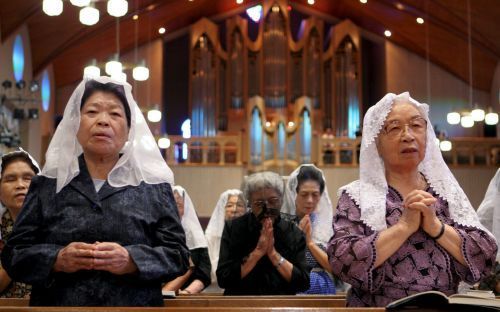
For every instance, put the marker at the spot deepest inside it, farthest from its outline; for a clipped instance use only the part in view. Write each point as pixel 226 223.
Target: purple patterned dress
pixel 420 264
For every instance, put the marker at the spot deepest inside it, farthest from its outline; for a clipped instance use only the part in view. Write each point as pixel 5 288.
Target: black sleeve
pixel 202 267
pixel 300 271
pixel 168 258
pixel 229 266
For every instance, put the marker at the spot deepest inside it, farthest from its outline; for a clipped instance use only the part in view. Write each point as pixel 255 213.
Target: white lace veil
pixel 322 229
pixel 190 222
pixel 33 161
pixel 215 226
pixel 141 159
pixel 489 210
pixel 369 192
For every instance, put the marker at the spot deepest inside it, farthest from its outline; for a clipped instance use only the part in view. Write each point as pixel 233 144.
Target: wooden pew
pixel 284 297
pixel 257 302
pixel 184 309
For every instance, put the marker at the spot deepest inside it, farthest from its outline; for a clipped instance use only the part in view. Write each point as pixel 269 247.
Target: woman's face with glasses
pixel 265 203
pixel 402 141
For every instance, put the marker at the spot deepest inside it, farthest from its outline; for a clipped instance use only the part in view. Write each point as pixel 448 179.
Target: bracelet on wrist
pixel 280 262
pixel 441 232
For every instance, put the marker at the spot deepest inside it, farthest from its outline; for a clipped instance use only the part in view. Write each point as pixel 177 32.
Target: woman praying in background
pixel 99 226
pixel 231 205
pixel 198 276
pixel 405 226
pixel 262 253
pixel 308 200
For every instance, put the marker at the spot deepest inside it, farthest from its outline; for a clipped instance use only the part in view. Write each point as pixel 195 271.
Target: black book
pixel 437 301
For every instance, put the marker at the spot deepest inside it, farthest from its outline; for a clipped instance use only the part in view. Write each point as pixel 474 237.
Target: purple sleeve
pixel 479 251
pixel 351 250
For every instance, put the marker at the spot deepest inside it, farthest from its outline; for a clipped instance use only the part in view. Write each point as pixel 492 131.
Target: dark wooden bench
pixel 257 302
pixel 183 309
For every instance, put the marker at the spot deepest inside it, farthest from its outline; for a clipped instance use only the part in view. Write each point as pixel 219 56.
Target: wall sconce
pixel 21 84
pixel 34 86
pixel 7 84
pixel 33 113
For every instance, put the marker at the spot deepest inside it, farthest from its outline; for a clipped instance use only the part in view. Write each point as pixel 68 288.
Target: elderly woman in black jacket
pixel 262 253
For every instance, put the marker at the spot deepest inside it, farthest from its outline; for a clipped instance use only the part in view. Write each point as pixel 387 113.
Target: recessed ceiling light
pixel 135 17
pixel 239 1
pixel 310 2
pixel 400 6
pixel 161 30
pixel 387 33
pixel 420 20
pixel 363 1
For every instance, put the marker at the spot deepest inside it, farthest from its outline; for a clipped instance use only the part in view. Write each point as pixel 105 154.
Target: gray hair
pixel 262 180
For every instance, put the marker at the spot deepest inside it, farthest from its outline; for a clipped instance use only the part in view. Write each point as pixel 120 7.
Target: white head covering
pixel 33 161
pixel 369 192
pixel 141 159
pixel 215 226
pixel 489 210
pixel 190 222
pixel 322 229
pixel 20 150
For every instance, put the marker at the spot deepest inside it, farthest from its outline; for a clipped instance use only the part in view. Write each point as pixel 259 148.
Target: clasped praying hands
pixel 265 244
pixel 419 211
pixel 103 256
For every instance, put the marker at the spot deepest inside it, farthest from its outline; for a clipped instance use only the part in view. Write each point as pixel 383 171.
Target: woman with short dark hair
pixel 99 226
pixel 308 200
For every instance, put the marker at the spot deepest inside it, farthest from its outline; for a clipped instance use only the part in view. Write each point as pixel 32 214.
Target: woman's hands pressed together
pixel 422 203
pixel 305 226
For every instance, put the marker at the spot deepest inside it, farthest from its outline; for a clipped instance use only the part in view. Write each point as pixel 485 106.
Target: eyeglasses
pixel 417 125
pixel 272 202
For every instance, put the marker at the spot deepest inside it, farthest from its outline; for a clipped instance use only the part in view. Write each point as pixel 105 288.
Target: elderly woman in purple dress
pixel 405 226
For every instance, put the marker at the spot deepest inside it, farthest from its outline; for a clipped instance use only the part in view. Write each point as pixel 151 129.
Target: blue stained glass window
pixel 45 91
pixel 18 58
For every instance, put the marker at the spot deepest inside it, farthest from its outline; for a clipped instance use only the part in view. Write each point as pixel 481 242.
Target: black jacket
pixel 143 219
pixel 239 238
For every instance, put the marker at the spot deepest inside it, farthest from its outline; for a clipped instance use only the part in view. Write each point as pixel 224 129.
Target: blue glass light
pixel 45 91
pixel 18 58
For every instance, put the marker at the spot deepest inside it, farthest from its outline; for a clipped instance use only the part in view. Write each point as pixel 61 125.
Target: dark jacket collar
pixel 84 184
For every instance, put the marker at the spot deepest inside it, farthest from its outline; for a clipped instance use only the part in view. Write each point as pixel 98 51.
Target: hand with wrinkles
pixel 75 257
pixel 105 256
pixel 423 202
pixel 266 238
pixel 113 258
